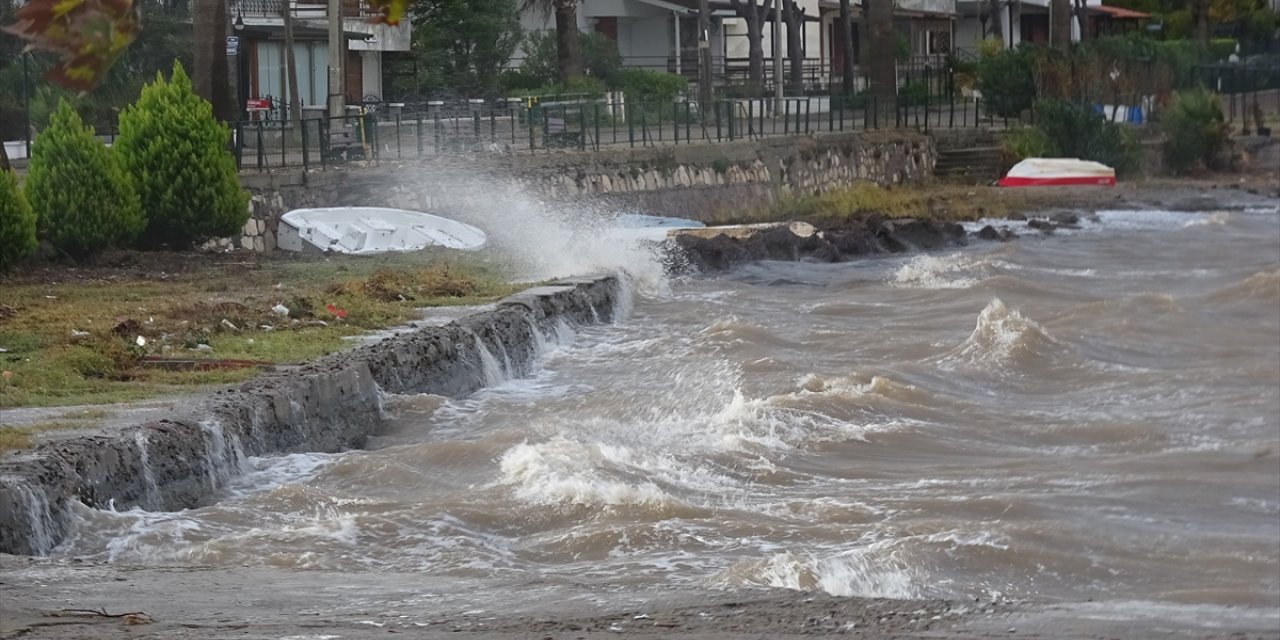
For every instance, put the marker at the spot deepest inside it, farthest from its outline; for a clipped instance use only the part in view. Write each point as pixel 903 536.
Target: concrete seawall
pixel 332 404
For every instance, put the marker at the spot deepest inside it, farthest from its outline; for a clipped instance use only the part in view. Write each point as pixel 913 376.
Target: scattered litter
pixel 141 341
pixel 337 313
pixel 643 616
pixel 52 297
pixel 266 327
pixel 203 347
pixel 280 310
pixel 75 333
pixel 3 350
pixel 228 324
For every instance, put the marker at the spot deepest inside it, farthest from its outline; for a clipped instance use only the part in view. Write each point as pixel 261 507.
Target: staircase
pixel 975 165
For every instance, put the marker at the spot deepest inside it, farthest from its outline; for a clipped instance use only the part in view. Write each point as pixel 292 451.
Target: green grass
pixel 74 340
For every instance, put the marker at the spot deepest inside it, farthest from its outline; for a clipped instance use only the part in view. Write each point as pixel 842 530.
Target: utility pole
pixel 777 58
pixel 704 55
pixel 336 99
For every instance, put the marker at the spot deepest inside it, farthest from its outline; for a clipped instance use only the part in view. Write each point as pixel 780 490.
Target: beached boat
pixel 1057 172
pixel 372 230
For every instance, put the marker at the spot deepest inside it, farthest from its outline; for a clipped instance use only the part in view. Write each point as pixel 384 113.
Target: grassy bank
pixel 136 326
pixel 939 201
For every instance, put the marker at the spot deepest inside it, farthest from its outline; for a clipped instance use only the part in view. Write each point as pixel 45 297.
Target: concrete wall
pixel 332 404
pixel 697 181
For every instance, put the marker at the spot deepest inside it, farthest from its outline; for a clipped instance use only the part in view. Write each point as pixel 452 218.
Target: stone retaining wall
pixel 695 181
pixel 330 405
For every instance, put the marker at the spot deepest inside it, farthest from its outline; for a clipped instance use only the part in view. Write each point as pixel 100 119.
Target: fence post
pixel 306 161
pixel 582 127
pixel 675 121
pixel 322 129
pixel 261 152
pixel 239 145
pixel 595 112
pixel 688 115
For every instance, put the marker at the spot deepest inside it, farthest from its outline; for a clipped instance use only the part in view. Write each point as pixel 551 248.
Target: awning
pixel 1119 13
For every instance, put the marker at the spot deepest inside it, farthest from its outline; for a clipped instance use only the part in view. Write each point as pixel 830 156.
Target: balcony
pixel 263 18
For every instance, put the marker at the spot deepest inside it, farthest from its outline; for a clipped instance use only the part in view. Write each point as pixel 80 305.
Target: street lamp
pixel 242 91
pixel 26 103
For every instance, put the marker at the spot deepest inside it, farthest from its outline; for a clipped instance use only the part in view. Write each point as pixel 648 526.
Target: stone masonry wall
pixel 332 404
pixel 695 181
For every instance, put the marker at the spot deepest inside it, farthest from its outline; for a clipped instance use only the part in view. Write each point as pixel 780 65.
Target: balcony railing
pixel 299 10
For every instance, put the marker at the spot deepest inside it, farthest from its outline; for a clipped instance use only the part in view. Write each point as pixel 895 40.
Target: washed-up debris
pixel 280 309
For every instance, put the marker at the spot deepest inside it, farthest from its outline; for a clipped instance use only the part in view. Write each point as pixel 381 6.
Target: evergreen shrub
pixel 177 155
pixel 83 200
pixel 17 222
pixel 1077 131
pixel 1195 131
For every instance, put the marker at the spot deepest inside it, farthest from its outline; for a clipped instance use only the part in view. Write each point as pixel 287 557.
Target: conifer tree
pixel 84 202
pixel 177 154
pixel 17 222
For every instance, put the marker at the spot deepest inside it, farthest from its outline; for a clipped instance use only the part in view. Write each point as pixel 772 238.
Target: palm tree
pixel 568 49
pixel 211 76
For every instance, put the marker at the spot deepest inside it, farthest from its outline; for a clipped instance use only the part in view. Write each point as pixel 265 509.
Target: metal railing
pixel 927 101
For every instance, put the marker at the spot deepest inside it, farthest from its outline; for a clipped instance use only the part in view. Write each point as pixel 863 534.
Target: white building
pixel 259 27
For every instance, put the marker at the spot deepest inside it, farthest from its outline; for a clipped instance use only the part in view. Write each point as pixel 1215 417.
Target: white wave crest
pixel 866 572
pixel 953 271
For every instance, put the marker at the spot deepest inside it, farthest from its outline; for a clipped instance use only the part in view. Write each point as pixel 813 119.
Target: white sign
pixel 233 45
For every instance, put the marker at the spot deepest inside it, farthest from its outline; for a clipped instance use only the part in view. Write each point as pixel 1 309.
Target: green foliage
pixel 1222 48
pixel 578 88
pixel 651 86
pixel 460 45
pixel 165 37
pixel 1026 142
pixel 1194 129
pixel 1077 131
pixel 1006 81
pixel 600 58
pixel 177 153
pixel 17 222
pixel 83 199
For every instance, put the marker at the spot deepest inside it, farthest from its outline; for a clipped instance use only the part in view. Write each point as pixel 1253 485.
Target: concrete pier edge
pixel 331 404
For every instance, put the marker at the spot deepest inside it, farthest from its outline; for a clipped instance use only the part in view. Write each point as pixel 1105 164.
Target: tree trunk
pixel 997 31
pixel 1060 25
pixel 846 28
pixel 4 158
pixel 1082 18
pixel 211 77
pixel 883 70
pixel 291 71
pixel 704 55
pixel 793 16
pixel 568 51
pixel 755 17
pixel 1200 14
pixel 1015 23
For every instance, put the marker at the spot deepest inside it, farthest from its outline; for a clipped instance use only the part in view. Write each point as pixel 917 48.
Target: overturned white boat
pixel 364 230
pixel 1058 172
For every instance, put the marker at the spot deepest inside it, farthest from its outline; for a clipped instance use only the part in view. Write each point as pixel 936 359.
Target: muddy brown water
pixel 1089 416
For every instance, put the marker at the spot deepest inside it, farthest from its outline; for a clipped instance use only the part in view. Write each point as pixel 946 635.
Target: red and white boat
pixel 1058 172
